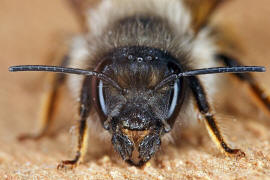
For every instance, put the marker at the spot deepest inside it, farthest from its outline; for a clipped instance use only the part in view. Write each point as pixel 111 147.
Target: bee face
pixel 139 115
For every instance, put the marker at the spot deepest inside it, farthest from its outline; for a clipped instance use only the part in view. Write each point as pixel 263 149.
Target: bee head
pixel 138 92
pixel 138 116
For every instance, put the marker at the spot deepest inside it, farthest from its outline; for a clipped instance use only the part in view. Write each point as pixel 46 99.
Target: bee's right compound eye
pixel 101 97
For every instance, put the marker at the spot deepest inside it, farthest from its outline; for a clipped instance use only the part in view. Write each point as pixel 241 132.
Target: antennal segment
pixel 59 69
pixel 214 70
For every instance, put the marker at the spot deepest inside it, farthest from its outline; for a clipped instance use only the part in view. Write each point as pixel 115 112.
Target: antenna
pixel 59 69
pixel 172 77
pixel 214 70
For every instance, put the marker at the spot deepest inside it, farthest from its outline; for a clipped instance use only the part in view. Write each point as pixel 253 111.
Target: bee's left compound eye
pixel 174 96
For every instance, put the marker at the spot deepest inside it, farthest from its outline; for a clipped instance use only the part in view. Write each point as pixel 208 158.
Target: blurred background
pixel 31 29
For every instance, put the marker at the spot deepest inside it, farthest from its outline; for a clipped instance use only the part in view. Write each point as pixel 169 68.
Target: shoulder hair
pixel 107 12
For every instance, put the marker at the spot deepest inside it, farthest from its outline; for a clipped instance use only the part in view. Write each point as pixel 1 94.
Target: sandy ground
pixel 29 30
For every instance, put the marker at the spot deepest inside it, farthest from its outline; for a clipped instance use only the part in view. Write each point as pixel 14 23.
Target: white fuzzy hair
pixel 109 11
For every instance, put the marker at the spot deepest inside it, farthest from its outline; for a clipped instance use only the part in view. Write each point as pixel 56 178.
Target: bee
pixel 138 67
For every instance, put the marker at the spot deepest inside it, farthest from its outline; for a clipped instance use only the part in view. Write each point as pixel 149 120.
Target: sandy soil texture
pixel 29 31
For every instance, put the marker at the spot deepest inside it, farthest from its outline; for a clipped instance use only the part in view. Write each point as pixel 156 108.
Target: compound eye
pixel 101 97
pixel 174 96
